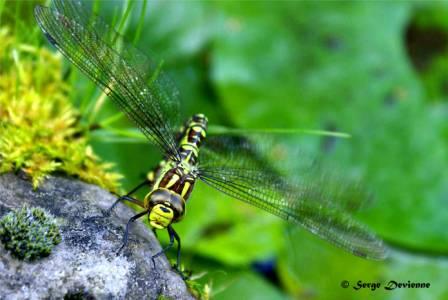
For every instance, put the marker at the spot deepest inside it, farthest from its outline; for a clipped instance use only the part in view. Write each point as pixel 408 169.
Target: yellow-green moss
pixel 39 133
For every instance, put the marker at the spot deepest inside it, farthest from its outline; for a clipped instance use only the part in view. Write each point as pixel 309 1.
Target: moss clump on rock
pixel 29 233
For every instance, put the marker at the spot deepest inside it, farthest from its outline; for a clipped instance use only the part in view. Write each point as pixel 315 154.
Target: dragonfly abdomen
pixel 191 139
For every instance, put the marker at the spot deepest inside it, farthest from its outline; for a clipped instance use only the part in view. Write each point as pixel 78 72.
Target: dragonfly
pixel 137 85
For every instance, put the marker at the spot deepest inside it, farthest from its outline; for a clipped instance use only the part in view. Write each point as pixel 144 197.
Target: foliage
pixel 39 132
pixel 29 233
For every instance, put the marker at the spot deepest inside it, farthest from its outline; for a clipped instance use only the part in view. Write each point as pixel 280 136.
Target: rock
pixel 84 265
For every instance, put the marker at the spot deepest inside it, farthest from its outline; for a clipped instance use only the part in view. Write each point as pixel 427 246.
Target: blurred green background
pixel 376 70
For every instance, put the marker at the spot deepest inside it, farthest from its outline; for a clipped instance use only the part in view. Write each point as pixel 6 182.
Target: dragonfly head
pixel 165 207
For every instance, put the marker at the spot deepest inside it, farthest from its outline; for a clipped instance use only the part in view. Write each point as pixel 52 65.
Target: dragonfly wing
pixel 127 76
pixel 299 167
pixel 241 175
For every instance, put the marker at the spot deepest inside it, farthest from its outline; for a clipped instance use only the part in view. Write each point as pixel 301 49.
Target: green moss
pixel 29 233
pixel 39 129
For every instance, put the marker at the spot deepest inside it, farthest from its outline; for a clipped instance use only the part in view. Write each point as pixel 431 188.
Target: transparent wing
pixel 129 78
pixel 239 172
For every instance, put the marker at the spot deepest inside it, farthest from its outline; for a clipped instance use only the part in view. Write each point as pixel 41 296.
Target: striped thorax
pixel 174 180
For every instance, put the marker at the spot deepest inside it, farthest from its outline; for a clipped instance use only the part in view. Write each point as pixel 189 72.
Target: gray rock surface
pixel 84 264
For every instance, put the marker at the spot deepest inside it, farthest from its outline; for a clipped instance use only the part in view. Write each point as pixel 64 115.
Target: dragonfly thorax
pixel 187 168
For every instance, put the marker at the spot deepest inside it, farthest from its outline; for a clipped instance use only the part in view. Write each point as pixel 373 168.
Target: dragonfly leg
pixel 176 236
pixel 177 265
pixel 171 235
pixel 120 199
pixel 138 187
pixel 126 233
pixel 127 197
